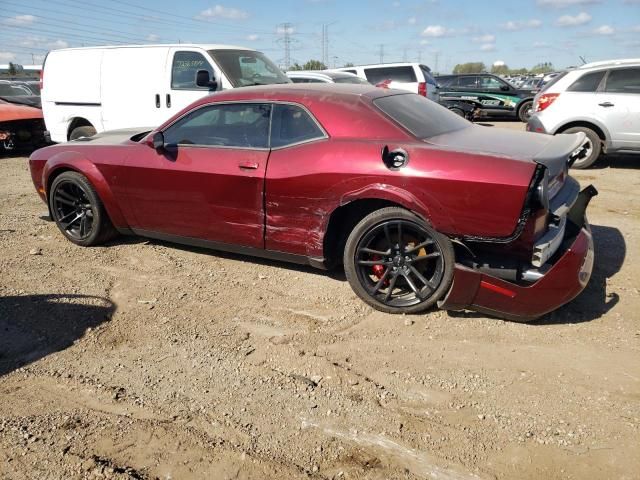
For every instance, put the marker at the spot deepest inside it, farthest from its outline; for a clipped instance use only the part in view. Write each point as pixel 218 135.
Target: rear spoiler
pixel 562 151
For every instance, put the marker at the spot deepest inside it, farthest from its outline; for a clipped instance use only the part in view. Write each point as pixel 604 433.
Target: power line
pixel 119 33
pixel 81 37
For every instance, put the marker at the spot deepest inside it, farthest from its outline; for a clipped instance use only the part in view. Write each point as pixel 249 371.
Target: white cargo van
pixel 89 90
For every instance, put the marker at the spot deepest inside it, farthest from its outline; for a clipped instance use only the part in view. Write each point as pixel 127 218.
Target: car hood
pixel 111 137
pixel 551 151
pixel 10 112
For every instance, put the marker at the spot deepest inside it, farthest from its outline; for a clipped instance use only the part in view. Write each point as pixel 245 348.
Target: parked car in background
pixel 21 127
pixel 601 100
pixel 419 205
pixel 324 76
pixel 140 85
pixel 493 94
pixel 413 77
pixel 18 92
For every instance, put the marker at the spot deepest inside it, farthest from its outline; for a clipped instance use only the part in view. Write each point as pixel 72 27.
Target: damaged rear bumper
pixel 565 276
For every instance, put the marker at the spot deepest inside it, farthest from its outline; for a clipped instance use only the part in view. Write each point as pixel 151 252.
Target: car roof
pixel 610 63
pixel 321 73
pixel 381 65
pixel 206 46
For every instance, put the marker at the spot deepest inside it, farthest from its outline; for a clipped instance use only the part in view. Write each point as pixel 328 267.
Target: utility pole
pixel 325 44
pixel 33 60
pixel 435 63
pixel 381 52
pixel 404 54
pixel 419 56
pixel 335 61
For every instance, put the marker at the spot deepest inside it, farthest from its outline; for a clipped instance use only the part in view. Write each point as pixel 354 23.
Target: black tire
pixel 78 211
pixel 594 147
pixel 430 254
pixel 525 111
pixel 458 111
pixel 84 131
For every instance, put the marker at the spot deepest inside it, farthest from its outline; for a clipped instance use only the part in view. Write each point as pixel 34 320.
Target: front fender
pixel 76 162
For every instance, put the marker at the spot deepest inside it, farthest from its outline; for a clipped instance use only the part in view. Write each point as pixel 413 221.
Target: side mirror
pixel 504 88
pixel 157 141
pixel 204 80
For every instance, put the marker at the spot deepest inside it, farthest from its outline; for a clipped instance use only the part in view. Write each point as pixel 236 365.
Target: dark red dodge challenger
pixel 421 206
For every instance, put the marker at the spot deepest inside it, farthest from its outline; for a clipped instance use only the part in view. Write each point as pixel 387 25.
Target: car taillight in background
pixel 545 100
pixel 422 89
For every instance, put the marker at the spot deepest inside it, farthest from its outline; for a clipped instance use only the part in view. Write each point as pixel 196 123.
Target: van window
pixel 292 124
pixel 185 67
pixel 242 125
pixel 404 74
pixel 587 83
pixel 244 68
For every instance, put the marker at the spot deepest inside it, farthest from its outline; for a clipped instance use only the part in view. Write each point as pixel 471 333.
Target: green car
pixel 493 95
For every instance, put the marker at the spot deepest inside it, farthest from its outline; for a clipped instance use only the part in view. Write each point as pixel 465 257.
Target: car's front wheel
pixel 397 263
pixel 78 211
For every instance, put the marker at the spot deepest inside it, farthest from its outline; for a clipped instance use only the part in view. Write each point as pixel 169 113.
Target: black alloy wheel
pixel 397 263
pixel 78 211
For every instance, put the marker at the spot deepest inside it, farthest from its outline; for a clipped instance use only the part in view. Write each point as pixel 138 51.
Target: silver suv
pixel 414 77
pixel 601 99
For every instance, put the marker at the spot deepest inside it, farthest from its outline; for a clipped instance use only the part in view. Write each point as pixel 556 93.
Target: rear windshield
pixel 422 117
pixel 357 80
pixel 244 68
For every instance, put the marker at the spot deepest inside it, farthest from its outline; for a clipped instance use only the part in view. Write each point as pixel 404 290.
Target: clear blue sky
pixel 440 33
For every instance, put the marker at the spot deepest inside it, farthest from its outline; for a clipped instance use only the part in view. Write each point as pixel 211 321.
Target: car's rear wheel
pixel 78 211
pixel 84 131
pixel 397 263
pixel 525 111
pixel 593 147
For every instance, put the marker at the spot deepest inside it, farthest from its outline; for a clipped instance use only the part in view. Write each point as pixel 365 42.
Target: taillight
pixel 41 79
pixel 545 100
pixel 422 89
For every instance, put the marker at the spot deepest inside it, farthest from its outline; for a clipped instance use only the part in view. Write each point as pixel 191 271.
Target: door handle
pixel 168 100
pixel 248 165
pixel 157 100
pixel 606 104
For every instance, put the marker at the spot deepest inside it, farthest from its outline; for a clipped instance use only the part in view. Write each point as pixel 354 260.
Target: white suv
pixel 414 77
pixel 601 99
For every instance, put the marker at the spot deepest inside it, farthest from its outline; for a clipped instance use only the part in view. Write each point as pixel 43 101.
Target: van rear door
pixel 132 87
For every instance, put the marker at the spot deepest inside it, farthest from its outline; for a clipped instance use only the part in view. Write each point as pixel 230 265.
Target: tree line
pixel 479 67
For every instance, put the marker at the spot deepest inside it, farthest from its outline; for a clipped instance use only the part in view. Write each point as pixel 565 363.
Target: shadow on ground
pixel 34 326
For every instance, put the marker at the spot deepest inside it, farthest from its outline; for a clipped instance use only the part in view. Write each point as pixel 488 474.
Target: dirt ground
pixel 143 360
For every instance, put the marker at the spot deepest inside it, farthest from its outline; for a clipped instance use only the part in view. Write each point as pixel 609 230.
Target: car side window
pixel 623 80
pixel 395 74
pixel 184 69
pixel 588 82
pixel 242 125
pixel 351 71
pixel 291 125
pixel 490 83
pixel 467 82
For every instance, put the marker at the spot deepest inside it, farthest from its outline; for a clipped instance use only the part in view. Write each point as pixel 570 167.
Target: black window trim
pixel 602 88
pixel 272 103
pixel 196 88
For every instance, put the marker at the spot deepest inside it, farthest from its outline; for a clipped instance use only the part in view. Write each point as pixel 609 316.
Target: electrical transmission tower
pixel 285 29
pixel 381 52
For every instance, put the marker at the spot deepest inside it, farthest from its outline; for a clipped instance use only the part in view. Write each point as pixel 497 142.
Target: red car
pixel 420 205
pixel 20 126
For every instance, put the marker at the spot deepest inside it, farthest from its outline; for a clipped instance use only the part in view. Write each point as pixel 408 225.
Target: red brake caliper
pixel 378 270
